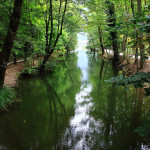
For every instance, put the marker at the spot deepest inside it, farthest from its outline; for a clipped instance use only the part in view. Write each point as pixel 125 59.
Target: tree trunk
pixel 113 33
pixel 136 49
pixel 101 40
pixel 50 46
pixel 136 41
pixel 142 53
pixel 8 43
pixel 46 57
pixel 115 46
pixel 25 49
pixel 132 7
pixel 2 73
pixel 15 59
pixel 124 44
pixel 140 39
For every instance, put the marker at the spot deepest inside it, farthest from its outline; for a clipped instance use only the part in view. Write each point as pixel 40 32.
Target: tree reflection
pixel 44 112
pixel 53 97
pixel 53 100
pixel 120 113
pixel 102 73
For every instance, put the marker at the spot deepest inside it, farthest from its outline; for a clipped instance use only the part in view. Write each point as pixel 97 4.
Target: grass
pixel 7 96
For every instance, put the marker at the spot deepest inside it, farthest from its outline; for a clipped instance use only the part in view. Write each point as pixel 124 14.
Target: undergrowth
pixel 7 96
pixel 28 71
pixel 34 70
pixel 138 79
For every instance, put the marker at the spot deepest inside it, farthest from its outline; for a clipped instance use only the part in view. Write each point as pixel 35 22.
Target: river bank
pixel 127 64
pixel 12 71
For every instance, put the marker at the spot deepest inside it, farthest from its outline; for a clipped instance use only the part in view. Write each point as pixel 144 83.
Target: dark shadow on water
pixel 53 97
pixel 102 73
pixel 64 63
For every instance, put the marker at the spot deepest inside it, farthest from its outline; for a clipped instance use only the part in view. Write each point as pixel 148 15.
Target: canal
pixel 76 109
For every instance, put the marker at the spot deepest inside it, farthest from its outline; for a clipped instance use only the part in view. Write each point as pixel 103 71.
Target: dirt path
pixel 11 76
pixel 12 71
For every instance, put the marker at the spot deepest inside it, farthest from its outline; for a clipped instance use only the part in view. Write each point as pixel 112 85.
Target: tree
pixel 96 25
pixel 49 21
pixel 140 37
pixel 113 32
pixel 8 43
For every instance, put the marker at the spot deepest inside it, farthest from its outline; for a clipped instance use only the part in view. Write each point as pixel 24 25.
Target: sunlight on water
pixel 82 57
pixel 82 41
pixel 83 64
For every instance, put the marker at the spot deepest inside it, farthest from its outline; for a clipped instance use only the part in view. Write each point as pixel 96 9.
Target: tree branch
pixel 51 18
pixel 59 15
pixel 62 21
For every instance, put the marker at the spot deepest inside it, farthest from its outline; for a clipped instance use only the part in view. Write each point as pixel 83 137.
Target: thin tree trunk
pixel 60 3
pixel 141 45
pixel 25 50
pixel 136 49
pixel 8 43
pixel 142 53
pixel 51 47
pixel 51 17
pixel 132 7
pixel 124 44
pixel 15 59
pixel 136 41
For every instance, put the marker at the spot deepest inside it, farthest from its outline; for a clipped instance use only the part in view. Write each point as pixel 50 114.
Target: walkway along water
pixel 75 109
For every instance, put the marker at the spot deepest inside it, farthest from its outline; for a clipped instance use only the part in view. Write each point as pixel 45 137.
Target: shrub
pixel 144 129
pixel 29 71
pixel 50 65
pixel 7 96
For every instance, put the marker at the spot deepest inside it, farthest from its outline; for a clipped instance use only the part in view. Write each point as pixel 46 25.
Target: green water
pixel 76 109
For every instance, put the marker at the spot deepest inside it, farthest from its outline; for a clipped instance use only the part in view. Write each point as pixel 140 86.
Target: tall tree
pixel 96 22
pixel 140 38
pixel 136 34
pixel 101 40
pixel 8 43
pixel 49 20
pixel 113 32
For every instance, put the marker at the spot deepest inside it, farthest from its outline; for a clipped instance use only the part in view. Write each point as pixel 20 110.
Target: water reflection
pixel 82 125
pixel 83 64
pixel 42 117
pixel 105 115
pixel 76 135
pixel 120 112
